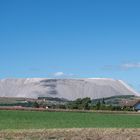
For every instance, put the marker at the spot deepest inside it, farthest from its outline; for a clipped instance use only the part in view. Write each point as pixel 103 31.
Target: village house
pixel 132 104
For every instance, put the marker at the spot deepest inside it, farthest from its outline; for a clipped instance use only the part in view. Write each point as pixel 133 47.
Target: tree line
pixel 81 104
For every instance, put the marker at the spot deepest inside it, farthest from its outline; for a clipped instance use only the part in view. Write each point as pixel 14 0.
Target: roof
pixel 130 103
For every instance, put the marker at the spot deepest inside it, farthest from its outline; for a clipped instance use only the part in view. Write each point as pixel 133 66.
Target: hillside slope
pixel 64 88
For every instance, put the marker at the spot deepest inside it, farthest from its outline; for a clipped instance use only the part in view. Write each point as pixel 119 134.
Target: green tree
pixel 98 105
pixel 35 105
pixel 103 101
pixel 80 104
pixel 86 103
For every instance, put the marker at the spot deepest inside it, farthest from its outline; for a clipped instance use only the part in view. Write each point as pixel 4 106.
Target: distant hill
pixel 64 88
pixel 115 100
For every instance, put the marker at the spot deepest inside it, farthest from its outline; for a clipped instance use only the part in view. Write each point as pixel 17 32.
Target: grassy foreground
pixel 45 120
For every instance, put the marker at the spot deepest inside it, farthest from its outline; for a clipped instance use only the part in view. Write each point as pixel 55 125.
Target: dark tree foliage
pixel 98 105
pixel 35 105
pixel 103 101
pixel 81 104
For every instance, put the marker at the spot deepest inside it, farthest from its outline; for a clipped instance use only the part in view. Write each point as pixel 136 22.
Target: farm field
pixel 72 134
pixel 47 120
pixel 34 125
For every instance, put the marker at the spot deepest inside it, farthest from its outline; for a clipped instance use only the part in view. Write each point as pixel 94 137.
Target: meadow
pixel 47 120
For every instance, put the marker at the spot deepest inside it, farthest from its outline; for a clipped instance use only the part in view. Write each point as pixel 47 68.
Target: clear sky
pixel 70 38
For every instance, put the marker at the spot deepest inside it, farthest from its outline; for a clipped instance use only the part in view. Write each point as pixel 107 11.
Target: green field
pixel 41 120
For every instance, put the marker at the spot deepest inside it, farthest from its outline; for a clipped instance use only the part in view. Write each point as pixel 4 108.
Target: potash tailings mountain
pixel 64 88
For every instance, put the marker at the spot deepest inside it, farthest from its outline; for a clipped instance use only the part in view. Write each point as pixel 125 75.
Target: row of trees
pixel 81 104
pixel 88 104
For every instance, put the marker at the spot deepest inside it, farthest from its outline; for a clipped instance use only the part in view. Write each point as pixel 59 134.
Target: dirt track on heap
pixel 72 134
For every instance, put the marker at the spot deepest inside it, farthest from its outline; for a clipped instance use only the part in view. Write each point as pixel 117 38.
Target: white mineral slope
pixel 64 88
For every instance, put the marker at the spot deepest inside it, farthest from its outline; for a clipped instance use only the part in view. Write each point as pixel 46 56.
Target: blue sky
pixel 70 38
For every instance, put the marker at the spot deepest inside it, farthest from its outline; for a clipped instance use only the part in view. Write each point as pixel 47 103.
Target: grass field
pixel 45 120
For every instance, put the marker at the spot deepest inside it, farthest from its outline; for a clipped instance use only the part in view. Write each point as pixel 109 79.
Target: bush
pixel 81 104
pixel 35 105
